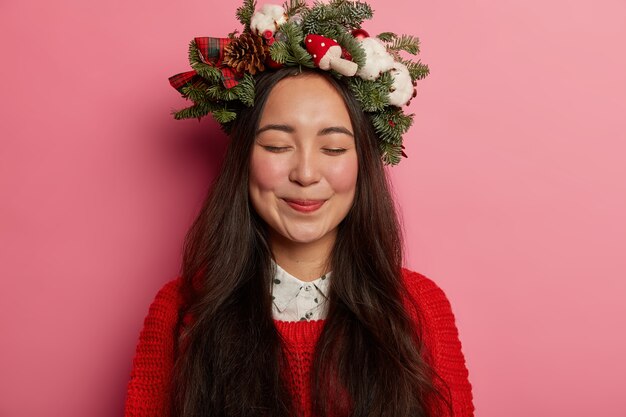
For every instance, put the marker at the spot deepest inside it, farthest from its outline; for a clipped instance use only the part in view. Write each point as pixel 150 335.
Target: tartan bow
pixel 212 53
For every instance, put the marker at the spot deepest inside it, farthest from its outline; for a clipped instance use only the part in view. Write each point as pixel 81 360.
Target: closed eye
pixel 275 149
pixel 335 151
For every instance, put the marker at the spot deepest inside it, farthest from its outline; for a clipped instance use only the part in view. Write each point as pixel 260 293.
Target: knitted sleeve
pixel 148 388
pixel 441 338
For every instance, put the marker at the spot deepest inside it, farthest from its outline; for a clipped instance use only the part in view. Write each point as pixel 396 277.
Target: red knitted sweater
pixel 154 359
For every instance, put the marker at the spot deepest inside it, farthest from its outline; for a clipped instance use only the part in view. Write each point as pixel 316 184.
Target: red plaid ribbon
pixel 212 53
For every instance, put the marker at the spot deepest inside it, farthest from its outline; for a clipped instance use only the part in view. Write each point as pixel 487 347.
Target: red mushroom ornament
pixel 326 55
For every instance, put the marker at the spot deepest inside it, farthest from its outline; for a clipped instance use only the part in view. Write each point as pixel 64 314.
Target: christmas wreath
pixel 327 36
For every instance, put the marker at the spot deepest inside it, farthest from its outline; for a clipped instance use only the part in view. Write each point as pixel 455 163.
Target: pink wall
pixel 513 197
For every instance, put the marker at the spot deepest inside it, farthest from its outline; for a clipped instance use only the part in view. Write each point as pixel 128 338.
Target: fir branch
pixel 402 121
pixel 245 90
pixel 245 12
pixel 352 45
pixel 293 33
pixel 196 111
pixel 332 31
pixel 279 52
pixel 417 70
pixel 291 52
pixel 224 115
pixel 301 57
pixel 293 7
pixel 407 43
pixel 352 13
pixel 386 132
pixel 373 95
pixel 206 71
pixel 195 91
pixel 387 36
pixel 218 92
pixel 313 18
pixel 391 154
pixel 336 16
pixel 391 124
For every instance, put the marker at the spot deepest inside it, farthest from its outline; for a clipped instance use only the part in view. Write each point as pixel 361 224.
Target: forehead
pixel 306 99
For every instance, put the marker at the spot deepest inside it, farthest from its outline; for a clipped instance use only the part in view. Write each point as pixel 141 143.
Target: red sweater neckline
pixel 300 332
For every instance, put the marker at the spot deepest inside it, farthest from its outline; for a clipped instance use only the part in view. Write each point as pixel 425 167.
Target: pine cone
pixel 246 53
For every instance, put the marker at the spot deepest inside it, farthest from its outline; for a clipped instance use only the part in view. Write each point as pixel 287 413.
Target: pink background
pixel 513 196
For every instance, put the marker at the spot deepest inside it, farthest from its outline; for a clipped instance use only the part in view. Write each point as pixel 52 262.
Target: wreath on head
pixel 327 36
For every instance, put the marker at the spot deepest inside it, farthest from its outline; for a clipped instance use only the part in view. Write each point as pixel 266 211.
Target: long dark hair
pixel 368 359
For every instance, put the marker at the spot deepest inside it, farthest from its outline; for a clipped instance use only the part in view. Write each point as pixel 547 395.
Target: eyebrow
pixel 281 128
pixel 290 129
pixel 334 129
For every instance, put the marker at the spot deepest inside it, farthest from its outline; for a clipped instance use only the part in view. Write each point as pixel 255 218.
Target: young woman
pixel 302 196
pixel 292 299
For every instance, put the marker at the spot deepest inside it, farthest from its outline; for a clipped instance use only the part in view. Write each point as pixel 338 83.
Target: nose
pixel 305 168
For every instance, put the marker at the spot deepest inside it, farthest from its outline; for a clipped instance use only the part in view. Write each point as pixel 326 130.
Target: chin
pixel 304 236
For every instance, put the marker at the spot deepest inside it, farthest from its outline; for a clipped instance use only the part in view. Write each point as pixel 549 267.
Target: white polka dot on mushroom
pixel 323 44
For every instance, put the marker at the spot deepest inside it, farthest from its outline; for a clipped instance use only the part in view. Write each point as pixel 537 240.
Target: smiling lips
pixel 305 206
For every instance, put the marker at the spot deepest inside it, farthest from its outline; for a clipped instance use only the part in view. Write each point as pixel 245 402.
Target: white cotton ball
pixel 260 22
pixel 377 59
pixel 275 11
pixel 281 19
pixel 267 18
pixel 402 85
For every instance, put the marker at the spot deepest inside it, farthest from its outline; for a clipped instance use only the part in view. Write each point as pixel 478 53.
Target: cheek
pixel 343 175
pixel 264 175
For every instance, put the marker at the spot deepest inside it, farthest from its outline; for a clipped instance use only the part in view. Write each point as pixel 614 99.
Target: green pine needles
pixel 335 16
pixel 390 124
pixel 206 71
pixel 373 95
pixel 245 11
pixel 337 20
pixel 294 7
pixel 209 95
pixel 290 51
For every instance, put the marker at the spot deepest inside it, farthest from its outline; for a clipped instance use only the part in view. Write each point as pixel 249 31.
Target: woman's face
pixel 303 167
